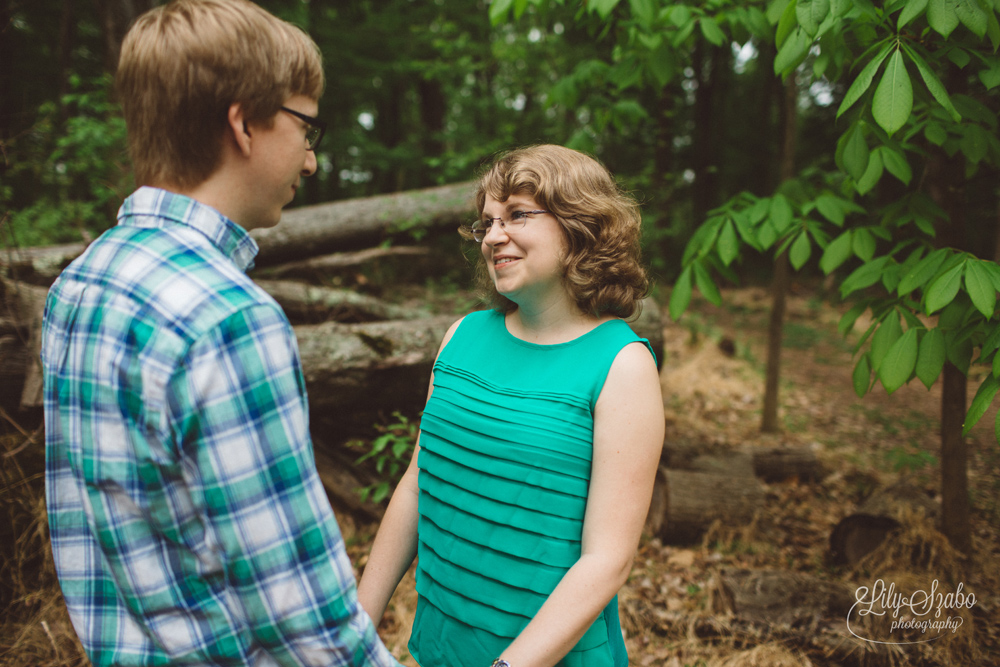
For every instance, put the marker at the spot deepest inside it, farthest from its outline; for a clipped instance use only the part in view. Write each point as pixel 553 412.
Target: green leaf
pixel 936 134
pixel 728 244
pixel 924 270
pixel 836 253
pixel 972 16
pixel 974 143
pixel 980 403
pixel 499 9
pixel 662 63
pixel 942 17
pixel 887 334
pixel 781 212
pixel 603 7
pixel 899 361
pixel 896 164
pixel 799 253
pixel 856 153
pixel 766 234
pixel 934 85
pixel 862 376
pixel 786 23
pixel 745 228
pixel 893 99
pixel 644 11
pixel 811 13
pixel 847 320
pixel 980 288
pixel 864 244
pixel 864 80
pixel 943 289
pixel 759 210
pixel 680 297
pixel 679 15
pixel 792 52
pixel 912 10
pixel 871 175
pixel 864 276
pixel 990 75
pixel 830 208
pixel 706 285
pixel 930 360
pixel 711 30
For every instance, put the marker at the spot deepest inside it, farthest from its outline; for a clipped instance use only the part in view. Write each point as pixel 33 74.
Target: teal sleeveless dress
pixel 506 449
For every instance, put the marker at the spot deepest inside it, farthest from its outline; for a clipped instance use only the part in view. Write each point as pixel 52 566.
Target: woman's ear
pixel 237 126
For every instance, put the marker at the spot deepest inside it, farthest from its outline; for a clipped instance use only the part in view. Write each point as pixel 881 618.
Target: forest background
pixel 841 143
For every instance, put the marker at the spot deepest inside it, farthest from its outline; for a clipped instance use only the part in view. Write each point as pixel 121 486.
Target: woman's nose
pixel 495 234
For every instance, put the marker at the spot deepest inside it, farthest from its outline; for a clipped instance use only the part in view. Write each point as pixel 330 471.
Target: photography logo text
pixel 897 618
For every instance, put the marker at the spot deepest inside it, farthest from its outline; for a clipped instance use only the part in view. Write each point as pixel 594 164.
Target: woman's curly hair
pixel 600 221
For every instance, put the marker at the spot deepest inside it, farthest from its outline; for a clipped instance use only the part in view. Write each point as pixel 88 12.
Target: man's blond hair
pixel 185 63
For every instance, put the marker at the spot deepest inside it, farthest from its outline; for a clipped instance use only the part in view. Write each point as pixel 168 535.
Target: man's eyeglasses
pixel 316 127
pixel 480 228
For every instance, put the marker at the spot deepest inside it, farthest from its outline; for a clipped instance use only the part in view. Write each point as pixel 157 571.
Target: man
pixel 188 523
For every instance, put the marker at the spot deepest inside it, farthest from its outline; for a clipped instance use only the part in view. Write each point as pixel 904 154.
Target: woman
pixel 529 487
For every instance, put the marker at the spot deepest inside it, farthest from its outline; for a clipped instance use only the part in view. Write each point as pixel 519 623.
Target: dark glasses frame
pixel 317 128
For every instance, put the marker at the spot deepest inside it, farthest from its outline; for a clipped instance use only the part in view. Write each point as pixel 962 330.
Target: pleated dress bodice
pixel 505 462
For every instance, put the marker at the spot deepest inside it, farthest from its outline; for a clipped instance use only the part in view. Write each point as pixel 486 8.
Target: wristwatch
pixel 500 662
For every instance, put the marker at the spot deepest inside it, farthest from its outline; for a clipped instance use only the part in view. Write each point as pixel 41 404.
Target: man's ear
pixel 237 125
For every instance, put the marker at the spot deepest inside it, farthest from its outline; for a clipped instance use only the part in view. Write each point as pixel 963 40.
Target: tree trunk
pixel 946 185
pixel 707 72
pixel 779 286
pixel 954 461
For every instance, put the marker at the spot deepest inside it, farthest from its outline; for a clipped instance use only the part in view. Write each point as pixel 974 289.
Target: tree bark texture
pixel 360 222
pixel 945 181
pixel 779 286
pixel 691 501
pixel 311 304
pixel 954 461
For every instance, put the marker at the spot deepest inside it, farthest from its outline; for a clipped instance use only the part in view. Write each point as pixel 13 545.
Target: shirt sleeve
pixel 241 414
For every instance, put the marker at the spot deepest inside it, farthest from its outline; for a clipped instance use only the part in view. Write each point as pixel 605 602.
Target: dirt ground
pixel 712 379
pixel 674 611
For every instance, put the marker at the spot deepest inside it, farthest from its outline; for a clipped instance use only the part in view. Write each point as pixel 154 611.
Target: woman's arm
pixel 628 437
pixel 395 543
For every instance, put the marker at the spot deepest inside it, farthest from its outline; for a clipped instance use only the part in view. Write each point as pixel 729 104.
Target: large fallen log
pixel 311 304
pixel 768 598
pixel 354 223
pixel 303 232
pixel 323 267
pixel 688 502
pixel 21 343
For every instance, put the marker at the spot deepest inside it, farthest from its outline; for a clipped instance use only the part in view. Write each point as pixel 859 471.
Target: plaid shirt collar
pixel 153 207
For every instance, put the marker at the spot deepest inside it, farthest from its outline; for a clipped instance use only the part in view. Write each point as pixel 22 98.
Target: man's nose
pixel 309 168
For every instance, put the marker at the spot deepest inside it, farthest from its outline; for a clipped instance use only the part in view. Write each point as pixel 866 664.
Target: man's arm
pixel 240 415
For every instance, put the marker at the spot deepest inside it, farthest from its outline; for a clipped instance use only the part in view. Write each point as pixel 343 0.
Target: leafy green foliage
pixel 389 454
pixel 908 283
pixel 77 166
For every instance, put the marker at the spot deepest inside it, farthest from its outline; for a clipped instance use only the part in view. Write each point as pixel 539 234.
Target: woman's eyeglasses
pixel 480 228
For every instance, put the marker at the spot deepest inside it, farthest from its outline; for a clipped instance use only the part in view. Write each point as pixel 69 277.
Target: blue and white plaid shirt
pixel 188 523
